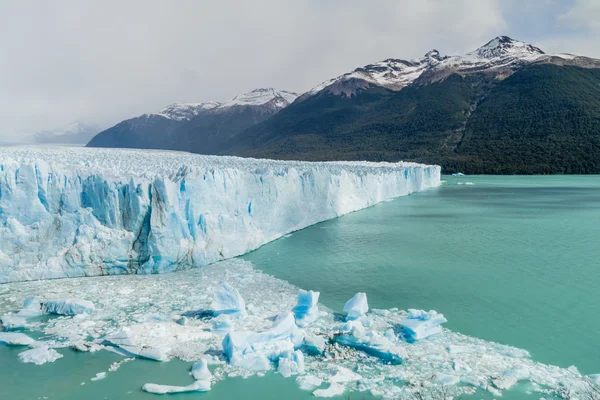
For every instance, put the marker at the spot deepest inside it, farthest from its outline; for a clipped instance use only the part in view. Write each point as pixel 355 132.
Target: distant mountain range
pixel 73 133
pixel 197 127
pixel 506 107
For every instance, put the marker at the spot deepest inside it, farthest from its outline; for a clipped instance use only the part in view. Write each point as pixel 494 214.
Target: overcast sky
pixel 99 62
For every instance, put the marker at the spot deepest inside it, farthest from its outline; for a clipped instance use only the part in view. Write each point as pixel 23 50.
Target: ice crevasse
pixel 72 212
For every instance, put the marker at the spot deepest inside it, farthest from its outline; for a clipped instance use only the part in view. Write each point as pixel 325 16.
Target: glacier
pixel 76 212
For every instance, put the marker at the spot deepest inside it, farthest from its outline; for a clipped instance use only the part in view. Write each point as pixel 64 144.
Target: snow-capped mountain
pixel 186 111
pixel 72 133
pixel 266 97
pixel 500 55
pixel 198 127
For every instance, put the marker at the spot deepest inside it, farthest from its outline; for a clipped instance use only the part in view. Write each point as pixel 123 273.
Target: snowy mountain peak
pixel 262 97
pixel 186 111
pixel 499 54
pixel 503 46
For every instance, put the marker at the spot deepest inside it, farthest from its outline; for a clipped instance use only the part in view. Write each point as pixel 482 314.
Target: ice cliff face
pixel 83 212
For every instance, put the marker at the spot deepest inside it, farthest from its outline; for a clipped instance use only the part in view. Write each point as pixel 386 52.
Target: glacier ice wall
pixel 71 212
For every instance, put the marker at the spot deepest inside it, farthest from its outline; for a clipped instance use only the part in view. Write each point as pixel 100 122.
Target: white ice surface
pixel 39 355
pixel 15 339
pixel 72 212
pixel 147 305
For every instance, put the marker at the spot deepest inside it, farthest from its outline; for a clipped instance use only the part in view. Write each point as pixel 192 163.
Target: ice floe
pixel 135 315
pixel 198 386
pixel 40 355
pixel 15 339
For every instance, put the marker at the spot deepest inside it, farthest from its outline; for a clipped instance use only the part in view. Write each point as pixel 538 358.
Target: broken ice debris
pixel 314 344
pixel 39 355
pixel 227 300
pixel 15 339
pixel 291 363
pixel 200 371
pixel 420 324
pixel 198 386
pixel 256 350
pixel 356 307
pixel 123 340
pixel 68 306
pixel 306 311
pixel 371 342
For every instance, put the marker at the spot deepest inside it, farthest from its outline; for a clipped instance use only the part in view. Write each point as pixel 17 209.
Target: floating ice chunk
pixel 521 373
pixel 221 324
pixel 356 306
pixel 306 311
pixel 504 382
pixel 99 375
pixel 200 371
pixel 371 342
pixel 15 339
pixel 68 306
pixel 308 382
pixel 314 344
pixel 460 366
pixel 32 307
pixel 291 364
pixel 198 386
pixel 420 324
pixel 183 320
pixel 446 379
pixel 255 350
pixel 123 340
pixel 13 322
pixel 335 389
pixel 458 174
pixel 227 300
pixel 341 374
pixel 40 355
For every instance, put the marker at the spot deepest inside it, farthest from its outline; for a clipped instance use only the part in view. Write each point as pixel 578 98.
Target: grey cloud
pixel 103 61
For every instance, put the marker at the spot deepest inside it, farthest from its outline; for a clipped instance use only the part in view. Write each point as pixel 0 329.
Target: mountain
pixel 196 127
pixel 73 133
pixel 506 107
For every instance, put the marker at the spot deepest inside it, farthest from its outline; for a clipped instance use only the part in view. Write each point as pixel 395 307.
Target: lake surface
pixel 506 259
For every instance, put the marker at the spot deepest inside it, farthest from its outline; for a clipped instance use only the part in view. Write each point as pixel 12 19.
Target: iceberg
pixel 221 324
pixel 420 324
pixel 371 342
pixel 68 306
pixel 314 344
pixel 291 363
pixel 356 307
pixel 227 300
pixel 200 371
pixel 123 339
pixel 256 350
pixel 39 355
pixel 308 382
pixel 198 386
pixel 79 212
pixel 15 339
pixel 306 310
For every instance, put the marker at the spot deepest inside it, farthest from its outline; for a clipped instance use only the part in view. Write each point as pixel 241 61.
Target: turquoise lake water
pixel 507 259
